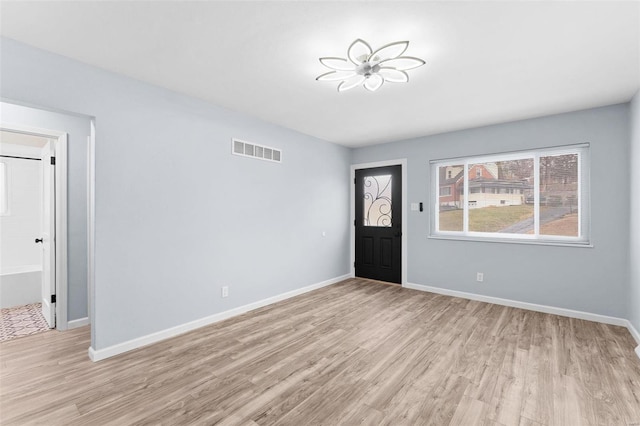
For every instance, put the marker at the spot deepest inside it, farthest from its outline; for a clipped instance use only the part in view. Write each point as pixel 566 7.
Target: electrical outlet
pixel 480 277
pixel 225 291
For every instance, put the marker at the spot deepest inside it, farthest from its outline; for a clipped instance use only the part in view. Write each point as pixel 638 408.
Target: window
pixel 445 191
pixel 538 196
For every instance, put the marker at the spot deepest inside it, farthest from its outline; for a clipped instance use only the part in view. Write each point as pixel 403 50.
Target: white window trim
pixel 583 240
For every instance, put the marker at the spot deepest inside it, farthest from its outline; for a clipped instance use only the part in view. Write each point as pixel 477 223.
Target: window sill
pixel 512 241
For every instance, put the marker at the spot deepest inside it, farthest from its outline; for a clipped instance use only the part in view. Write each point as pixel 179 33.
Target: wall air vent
pixel 261 152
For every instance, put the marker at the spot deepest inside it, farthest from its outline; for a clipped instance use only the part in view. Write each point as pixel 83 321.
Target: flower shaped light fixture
pixel 368 67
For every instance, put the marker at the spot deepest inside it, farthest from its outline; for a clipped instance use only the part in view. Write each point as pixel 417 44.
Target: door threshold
pixel 381 282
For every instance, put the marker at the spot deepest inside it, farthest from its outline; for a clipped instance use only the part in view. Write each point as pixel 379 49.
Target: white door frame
pixel 91 229
pixel 60 151
pixel 398 162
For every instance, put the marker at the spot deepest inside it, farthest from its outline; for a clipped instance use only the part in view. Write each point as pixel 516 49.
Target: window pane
pixel 451 182
pixel 498 196
pixel 559 195
pixel 377 200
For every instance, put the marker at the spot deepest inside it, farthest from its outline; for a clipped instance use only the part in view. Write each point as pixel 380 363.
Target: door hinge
pixel 354 264
pixel 354 222
pixel 354 181
pixel 53 161
pixel 53 298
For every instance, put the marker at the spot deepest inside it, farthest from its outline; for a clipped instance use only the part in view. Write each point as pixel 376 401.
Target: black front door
pixel 379 223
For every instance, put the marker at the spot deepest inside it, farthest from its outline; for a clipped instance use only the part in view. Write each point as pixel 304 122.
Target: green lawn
pixel 487 219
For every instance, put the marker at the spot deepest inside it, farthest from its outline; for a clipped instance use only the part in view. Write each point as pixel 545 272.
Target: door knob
pixel 38 240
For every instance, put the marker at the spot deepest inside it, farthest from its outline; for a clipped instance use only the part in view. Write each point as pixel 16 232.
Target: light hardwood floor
pixel 357 352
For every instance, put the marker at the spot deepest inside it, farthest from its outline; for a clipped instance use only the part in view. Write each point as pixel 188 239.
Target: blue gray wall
pixel 178 216
pixel 78 129
pixel 634 290
pixel 594 279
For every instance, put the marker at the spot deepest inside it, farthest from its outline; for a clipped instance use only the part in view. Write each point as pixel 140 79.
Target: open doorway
pixel 33 224
pixel 73 136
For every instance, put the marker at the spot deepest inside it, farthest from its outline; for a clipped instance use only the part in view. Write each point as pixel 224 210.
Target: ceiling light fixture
pixel 370 68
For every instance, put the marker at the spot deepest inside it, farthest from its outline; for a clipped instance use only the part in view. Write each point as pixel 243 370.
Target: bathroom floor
pixel 21 321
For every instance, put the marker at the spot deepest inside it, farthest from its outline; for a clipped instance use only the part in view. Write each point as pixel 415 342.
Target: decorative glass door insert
pixel 377 200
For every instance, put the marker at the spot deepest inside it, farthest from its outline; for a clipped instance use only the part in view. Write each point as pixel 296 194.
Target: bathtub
pixel 20 285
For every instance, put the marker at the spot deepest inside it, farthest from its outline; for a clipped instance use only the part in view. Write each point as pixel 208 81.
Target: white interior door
pixel 48 236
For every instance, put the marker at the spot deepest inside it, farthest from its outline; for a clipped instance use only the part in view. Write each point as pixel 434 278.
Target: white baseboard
pixel 80 322
pixel 524 305
pixel 534 307
pixel 100 354
pixel 634 332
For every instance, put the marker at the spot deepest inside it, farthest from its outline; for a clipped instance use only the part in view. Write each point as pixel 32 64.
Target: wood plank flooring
pixel 357 352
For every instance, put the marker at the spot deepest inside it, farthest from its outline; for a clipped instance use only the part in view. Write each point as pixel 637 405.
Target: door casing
pixel 402 162
pixel 48 234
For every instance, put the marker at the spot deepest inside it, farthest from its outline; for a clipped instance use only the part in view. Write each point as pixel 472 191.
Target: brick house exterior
pixel 485 187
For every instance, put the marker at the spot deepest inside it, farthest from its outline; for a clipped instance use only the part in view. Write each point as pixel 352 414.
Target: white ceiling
pixel 487 61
